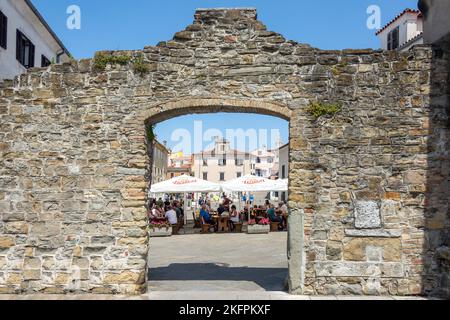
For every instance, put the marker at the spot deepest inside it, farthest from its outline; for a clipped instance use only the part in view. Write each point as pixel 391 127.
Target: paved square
pixel 218 262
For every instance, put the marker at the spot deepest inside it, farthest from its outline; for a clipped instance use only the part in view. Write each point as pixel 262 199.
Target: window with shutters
pixel 222 162
pixel 394 39
pixel 3 31
pixel 45 62
pixel 25 50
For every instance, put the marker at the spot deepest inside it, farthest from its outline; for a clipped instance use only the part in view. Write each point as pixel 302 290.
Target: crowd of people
pixel 171 211
pixel 277 214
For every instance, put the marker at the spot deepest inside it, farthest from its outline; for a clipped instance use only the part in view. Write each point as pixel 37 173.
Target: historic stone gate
pixel 363 217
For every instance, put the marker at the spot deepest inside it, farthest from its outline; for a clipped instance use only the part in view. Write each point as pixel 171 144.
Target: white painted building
pixel 284 167
pixel 403 32
pixel 26 40
pixel 221 163
pixel 264 163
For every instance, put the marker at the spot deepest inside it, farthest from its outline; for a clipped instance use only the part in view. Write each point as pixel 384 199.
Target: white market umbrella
pixel 183 184
pixel 250 183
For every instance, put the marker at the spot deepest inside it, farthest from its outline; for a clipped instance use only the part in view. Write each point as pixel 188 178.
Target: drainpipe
pixel 58 55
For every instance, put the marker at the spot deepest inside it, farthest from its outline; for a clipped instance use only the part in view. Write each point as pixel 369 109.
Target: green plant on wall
pixel 139 66
pixel 151 132
pixel 101 60
pixel 337 69
pixel 320 109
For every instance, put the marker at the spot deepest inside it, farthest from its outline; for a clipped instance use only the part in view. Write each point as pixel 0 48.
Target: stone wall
pixel 74 160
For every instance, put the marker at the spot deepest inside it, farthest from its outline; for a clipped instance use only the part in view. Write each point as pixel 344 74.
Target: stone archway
pixel 168 110
pixel 73 158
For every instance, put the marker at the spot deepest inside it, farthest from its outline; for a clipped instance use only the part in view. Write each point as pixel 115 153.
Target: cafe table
pixel 222 223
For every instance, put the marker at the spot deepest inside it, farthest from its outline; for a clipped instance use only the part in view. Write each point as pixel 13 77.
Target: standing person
pixel 171 215
pixel 226 203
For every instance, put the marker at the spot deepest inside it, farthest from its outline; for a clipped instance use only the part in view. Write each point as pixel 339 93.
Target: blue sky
pixel 133 24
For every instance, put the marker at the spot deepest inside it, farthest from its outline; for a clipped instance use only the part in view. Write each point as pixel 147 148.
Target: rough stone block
pixel 367 215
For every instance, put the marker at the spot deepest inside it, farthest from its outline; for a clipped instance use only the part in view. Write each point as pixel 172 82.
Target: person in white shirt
pixel 171 215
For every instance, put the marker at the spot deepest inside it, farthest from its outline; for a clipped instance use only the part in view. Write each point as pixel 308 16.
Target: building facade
pixel 26 40
pixel 221 163
pixel 264 163
pixel 402 32
pixel 160 162
pixel 283 167
pixel 179 165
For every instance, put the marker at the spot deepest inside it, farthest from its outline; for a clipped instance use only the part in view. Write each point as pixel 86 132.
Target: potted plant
pixel 160 229
pixel 263 226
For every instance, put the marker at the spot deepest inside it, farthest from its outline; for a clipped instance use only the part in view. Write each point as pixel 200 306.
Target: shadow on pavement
pixel 270 279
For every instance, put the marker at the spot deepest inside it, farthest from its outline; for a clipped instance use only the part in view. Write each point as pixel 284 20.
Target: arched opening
pixel 192 260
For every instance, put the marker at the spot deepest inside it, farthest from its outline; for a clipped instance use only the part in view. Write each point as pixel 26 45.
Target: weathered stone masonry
pixel 363 217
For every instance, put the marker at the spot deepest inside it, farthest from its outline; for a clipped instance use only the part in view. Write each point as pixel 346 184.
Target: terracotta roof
pixel 419 14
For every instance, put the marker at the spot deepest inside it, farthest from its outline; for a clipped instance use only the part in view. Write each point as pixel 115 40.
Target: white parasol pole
pixel 184 209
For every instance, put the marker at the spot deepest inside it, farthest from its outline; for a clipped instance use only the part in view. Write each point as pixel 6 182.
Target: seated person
pixel 156 213
pixel 171 215
pixel 204 213
pixel 234 217
pixel 273 216
pixel 221 209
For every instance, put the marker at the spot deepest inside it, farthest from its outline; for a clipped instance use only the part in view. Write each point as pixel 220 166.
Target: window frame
pixel 221 176
pixel 22 41
pixel 393 41
pixel 3 31
pixel 222 162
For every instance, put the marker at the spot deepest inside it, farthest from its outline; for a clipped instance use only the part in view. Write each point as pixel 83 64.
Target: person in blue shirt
pixel 204 213
pixel 273 216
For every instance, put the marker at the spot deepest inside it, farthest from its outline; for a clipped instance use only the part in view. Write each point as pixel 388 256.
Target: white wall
pixel 21 17
pixel 409 27
pixel 284 161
